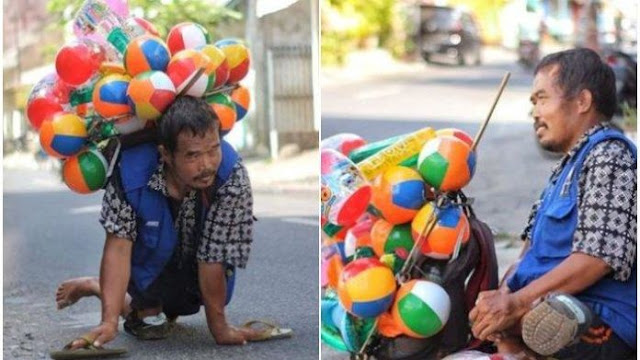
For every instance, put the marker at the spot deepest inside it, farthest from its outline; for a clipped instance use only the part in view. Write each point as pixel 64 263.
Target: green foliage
pixel 163 14
pixel 351 24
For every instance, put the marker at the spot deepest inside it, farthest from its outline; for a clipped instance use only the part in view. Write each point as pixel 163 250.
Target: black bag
pixel 475 270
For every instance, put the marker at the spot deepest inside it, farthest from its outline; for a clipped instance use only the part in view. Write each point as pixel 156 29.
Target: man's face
pixel 196 159
pixel 555 117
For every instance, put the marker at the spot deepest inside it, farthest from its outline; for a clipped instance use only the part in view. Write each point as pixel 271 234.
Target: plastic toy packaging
pixel 396 153
pixel 478 355
pixel 345 193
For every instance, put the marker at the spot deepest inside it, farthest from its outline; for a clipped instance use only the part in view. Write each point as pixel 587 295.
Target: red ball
pixel 49 96
pixel 78 61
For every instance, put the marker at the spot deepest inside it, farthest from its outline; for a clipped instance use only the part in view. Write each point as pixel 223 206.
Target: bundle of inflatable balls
pixel 118 76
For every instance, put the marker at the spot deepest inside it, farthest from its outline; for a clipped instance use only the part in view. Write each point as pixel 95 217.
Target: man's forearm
pixel 573 275
pixel 213 289
pixel 114 276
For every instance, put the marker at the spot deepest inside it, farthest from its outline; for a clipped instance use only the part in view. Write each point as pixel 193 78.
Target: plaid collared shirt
pixel 227 232
pixel 607 201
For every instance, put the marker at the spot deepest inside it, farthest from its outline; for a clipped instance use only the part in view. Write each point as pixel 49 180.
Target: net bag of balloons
pixel 118 76
pixel 380 200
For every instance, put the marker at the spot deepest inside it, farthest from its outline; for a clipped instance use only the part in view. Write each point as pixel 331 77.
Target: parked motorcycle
pixel 528 53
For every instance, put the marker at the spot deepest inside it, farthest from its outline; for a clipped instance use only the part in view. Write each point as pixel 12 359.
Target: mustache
pixel 205 174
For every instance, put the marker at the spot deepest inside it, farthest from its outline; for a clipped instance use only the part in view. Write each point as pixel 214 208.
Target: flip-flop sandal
pixel 87 352
pixel 270 331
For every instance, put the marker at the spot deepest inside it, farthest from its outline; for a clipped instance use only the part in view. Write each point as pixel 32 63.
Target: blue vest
pixel 157 237
pixel 552 239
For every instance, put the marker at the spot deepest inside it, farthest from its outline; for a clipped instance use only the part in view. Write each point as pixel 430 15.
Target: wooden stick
pixel 505 79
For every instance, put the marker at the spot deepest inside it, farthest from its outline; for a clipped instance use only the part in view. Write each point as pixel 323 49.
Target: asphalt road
pixel 510 172
pixel 51 234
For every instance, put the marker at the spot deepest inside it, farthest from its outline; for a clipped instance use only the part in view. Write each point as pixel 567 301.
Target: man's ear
pixel 165 155
pixel 585 101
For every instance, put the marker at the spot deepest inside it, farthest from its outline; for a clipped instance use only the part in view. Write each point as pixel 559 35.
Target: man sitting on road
pixel 179 219
pixel 581 234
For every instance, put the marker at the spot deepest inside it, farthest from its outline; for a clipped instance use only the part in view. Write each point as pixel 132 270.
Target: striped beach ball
pixel 110 96
pixel 150 94
pixel 386 238
pixel 238 57
pixel 421 308
pixel 183 69
pixel 146 53
pixel 331 265
pixel 63 135
pixel 85 172
pixel 457 134
pixel 219 64
pixel 398 193
pixel 224 109
pixel 129 125
pixel 446 163
pixel 452 227
pixel 187 35
pixel 366 287
pixel 359 235
pixel 344 143
pixel 241 98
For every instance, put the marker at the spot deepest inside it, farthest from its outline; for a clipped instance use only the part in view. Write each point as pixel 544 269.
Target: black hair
pixel 580 69
pixel 186 113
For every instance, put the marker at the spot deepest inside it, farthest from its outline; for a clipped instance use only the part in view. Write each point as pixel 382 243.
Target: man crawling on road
pixel 178 217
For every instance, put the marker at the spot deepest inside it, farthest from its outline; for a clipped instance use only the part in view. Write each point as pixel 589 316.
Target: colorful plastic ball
pixel 187 35
pixel 386 237
pixel 343 142
pixel 421 308
pixel 129 125
pixel 331 265
pixel 110 96
pixel 398 194
pixel 63 135
pixel 446 163
pixel 359 235
pixel 48 96
pixel 183 68
pixel 218 63
pixel 238 57
pixel 366 287
pixel 78 61
pixel 457 134
pixel 224 109
pixel 451 228
pixel 85 172
pixel 241 98
pixel 150 94
pixel 146 53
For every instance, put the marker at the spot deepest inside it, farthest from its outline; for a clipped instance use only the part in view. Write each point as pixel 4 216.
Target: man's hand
pixel 496 311
pixel 101 334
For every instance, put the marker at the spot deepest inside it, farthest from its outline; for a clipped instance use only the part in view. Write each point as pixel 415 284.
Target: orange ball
pixel 398 193
pixel 451 226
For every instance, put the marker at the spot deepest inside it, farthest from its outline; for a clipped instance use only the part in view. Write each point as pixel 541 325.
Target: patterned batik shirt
pixel 227 232
pixel 607 201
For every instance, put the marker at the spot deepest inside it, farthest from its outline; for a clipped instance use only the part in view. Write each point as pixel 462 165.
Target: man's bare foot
pixel 70 291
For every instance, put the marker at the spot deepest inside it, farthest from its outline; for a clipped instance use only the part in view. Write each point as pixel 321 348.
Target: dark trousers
pixel 176 289
pixel 598 343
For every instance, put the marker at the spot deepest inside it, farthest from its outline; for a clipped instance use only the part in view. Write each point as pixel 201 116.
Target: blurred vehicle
pixel 624 67
pixel 528 53
pixel 530 28
pixel 449 33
